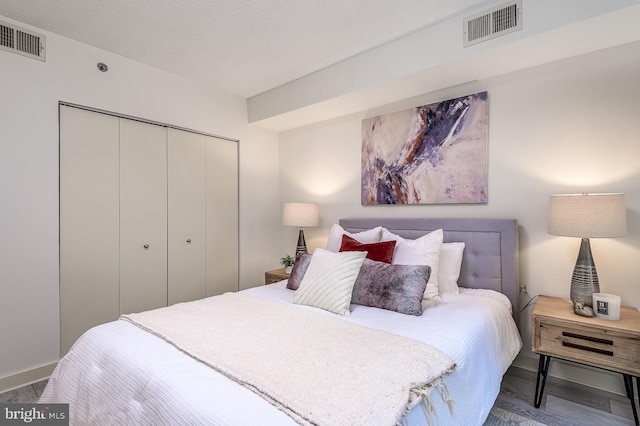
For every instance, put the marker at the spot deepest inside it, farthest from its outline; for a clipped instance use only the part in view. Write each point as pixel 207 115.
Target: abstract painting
pixel 431 154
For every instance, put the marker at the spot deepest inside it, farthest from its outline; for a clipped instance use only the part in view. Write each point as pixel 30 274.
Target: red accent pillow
pixel 380 252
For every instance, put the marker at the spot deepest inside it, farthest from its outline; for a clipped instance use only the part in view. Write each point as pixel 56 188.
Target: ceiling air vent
pixel 23 42
pixel 493 23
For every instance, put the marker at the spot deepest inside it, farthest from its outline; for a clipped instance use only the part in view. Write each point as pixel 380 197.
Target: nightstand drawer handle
pixel 588 348
pixel 588 338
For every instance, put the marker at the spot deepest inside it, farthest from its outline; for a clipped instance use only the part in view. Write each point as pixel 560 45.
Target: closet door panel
pixel 187 216
pixel 89 205
pixel 222 216
pixel 143 216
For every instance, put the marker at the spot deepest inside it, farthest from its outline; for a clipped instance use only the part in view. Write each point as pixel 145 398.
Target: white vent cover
pixel 21 41
pixel 493 23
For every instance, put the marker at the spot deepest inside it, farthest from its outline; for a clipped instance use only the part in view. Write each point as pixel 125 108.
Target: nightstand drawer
pixel 589 345
pixel 271 280
pixel 275 276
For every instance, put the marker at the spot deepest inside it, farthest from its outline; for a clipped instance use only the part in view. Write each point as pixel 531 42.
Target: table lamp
pixel 300 214
pixel 586 216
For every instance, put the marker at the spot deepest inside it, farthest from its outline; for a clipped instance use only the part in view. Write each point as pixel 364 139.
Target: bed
pixel 122 373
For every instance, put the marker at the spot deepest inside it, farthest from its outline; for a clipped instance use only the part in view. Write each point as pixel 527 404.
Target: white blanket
pixel 119 374
pixel 316 368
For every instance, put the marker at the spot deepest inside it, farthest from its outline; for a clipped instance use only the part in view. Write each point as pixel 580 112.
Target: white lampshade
pixel 587 215
pixel 300 214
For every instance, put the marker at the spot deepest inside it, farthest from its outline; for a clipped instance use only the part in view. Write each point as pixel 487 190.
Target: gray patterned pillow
pixel 392 287
pixel 299 269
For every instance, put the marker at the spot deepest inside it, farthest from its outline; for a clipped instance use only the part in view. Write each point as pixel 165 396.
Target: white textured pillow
pixel 328 282
pixel 365 237
pixel 422 251
pixel 449 267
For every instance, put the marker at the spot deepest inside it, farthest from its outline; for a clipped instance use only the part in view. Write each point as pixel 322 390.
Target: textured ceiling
pixel 242 47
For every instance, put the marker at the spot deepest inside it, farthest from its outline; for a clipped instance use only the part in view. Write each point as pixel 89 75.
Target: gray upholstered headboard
pixel 491 247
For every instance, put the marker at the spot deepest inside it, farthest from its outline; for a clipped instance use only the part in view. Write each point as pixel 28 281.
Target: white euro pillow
pixel 328 282
pixel 365 237
pixel 449 267
pixel 421 251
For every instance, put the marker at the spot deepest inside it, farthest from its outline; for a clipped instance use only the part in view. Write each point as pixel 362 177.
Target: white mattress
pixel 119 374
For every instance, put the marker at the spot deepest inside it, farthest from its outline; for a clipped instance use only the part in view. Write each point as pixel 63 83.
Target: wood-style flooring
pixel 24 395
pixel 564 403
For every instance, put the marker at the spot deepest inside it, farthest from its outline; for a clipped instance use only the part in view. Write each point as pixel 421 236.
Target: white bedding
pixel 118 374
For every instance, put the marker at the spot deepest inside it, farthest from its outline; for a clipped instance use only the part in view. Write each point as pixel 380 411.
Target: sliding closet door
pixel 143 216
pixel 222 216
pixel 148 217
pixel 89 207
pixel 187 216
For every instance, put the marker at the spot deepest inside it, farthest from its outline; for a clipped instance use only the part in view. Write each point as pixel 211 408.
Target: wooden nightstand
pixel 274 276
pixel 612 345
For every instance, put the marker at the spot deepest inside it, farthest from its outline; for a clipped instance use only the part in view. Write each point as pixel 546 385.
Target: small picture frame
pixel 602 307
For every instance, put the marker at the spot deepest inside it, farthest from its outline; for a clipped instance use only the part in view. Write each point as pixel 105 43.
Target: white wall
pixel 434 57
pixel 30 91
pixel 260 214
pixel 569 126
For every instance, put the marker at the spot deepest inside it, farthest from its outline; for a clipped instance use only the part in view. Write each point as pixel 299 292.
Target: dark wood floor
pixel 564 403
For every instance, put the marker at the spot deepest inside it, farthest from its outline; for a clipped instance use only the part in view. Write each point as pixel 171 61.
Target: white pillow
pixel 365 237
pixel 449 267
pixel 328 282
pixel 422 251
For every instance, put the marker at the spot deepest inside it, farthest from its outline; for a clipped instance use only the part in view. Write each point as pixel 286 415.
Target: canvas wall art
pixel 431 154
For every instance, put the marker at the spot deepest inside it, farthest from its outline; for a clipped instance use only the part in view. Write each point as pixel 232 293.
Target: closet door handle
pixel 189 241
pixel 146 246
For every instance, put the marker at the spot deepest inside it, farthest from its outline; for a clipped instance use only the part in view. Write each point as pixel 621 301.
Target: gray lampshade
pixel 587 215
pixel 300 214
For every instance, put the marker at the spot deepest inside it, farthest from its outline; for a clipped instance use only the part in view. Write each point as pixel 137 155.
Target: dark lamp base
pixel 584 281
pixel 301 247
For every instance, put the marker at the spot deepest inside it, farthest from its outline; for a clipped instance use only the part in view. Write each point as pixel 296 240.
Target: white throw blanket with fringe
pixel 316 368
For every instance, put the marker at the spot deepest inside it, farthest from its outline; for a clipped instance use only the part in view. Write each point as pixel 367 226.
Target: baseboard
pixel 26 377
pixel 578 373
